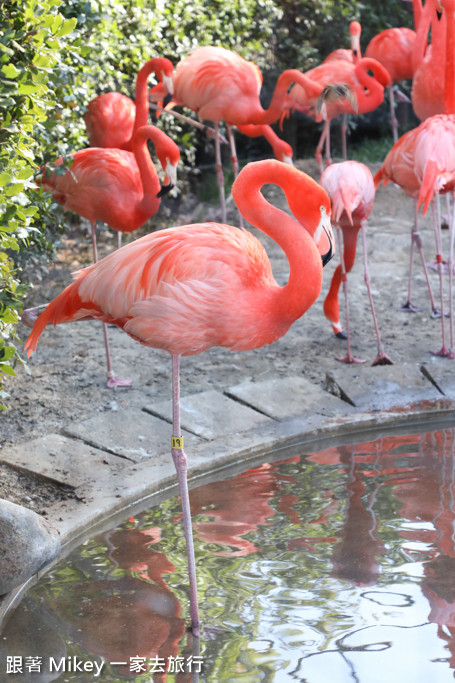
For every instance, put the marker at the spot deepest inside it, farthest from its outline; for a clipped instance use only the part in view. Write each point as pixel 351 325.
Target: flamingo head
pixel 355 30
pixel 168 82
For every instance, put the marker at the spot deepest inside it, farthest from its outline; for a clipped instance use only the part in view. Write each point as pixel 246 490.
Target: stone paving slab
pixel 289 397
pixel 64 460
pixel 132 434
pixel 382 387
pixel 210 415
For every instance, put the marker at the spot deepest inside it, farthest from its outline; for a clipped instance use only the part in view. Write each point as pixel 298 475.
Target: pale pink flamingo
pixel 350 186
pixel 219 85
pixel 367 89
pixel 112 118
pixel 117 187
pixel 188 288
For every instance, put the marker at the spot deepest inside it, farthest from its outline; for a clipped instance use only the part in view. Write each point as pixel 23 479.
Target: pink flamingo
pixel 350 186
pixel 353 55
pixel 188 288
pixel 427 92
pixel 117 187
pixel 368 91
pixel 112 118
pixel 219 85
pixel 395 49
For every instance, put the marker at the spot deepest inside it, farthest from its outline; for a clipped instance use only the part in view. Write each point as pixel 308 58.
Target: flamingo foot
pixel 341 335
pixel 349 359
pixel 114 382
pixel 443 352
pixel 433 265
pixel 409 307
pixel 382 359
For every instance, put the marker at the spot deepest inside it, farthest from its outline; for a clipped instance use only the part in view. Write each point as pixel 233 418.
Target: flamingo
pixel 281 149
pixel 431 152
pixel 398 50
pixel 368 91
pixel 112 118
pixel 188 288
pixel 219 85
pixel 353 55
pixel 117 187
pixel 427 93
pixel 350 186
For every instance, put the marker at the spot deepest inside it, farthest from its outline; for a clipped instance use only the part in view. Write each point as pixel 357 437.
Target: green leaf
pixel 67 27
pixel 5 178
pixel 7 370
pixel 10 71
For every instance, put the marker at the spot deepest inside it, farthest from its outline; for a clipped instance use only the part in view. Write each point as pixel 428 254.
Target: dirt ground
pixel 64 381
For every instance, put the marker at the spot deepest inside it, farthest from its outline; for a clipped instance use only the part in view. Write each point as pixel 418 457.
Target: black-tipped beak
pixel 355 53
pixel 167 99
pixel 438 14
pixel 329 255
pixel 164 190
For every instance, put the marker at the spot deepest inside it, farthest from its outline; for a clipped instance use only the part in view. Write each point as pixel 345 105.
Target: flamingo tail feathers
pixel 427 188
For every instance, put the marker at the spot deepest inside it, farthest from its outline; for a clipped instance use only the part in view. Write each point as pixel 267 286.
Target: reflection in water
pixel 339 565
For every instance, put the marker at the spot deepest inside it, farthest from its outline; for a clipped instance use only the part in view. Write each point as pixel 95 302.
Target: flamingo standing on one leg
pixel 189 288
pixel 112 118
pixel 219 85
pixel 350 186
pixel 117 187
pixel 368 91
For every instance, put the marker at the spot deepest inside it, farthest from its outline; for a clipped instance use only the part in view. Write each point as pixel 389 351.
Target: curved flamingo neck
pixel 416 12
pixel 149 177
pixel 285 80
pixel 156 65
pixel 422 30
pixel 295 238
pixel 372 93
pixel 449 86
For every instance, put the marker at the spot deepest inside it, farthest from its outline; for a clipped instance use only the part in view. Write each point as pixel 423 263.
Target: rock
pixel 27 543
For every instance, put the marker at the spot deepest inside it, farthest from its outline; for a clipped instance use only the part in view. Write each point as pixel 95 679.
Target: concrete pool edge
pixel 101 503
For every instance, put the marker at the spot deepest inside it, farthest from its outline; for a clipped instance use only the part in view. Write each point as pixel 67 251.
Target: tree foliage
pixel 56 56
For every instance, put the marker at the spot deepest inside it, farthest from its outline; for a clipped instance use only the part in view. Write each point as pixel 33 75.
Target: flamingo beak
pixel 168 84
pixel 287 160
pixel 323 237
pixel 170 179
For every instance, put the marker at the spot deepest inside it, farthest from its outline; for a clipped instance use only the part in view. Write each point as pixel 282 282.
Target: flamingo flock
pixel 188 288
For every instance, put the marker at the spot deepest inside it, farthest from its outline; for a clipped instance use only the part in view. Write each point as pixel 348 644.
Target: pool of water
pixel 337 565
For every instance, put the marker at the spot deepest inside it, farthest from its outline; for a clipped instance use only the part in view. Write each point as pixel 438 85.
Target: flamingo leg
pixel 328 158
pixel 393 118
pixel 320 146
pixel 382 358
pixel 235 162
pixel 344 130
pixel 417 241
pixel 181 466
pixel 451 250
pixel 219 172
pixel 112 380
pixel 436 211
pixel 349 358
pixel 119 239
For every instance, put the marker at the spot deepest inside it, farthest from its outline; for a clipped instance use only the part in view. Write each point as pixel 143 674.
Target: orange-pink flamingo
pixel 219 85
pixel 112 118
pixel 350 186
pixel 117 187
pixel 188 288
pixel 367 89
